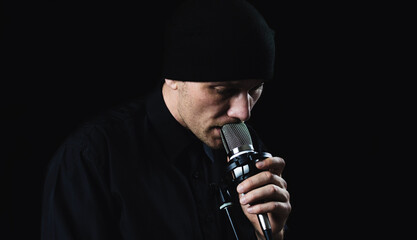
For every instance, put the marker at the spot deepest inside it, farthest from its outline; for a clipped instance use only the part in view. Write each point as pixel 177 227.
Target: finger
pixel 273 164
pixel 266 193
pixel 283 208
pixel 259 180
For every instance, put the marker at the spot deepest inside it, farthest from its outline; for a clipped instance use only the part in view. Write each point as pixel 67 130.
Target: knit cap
pixel 218 40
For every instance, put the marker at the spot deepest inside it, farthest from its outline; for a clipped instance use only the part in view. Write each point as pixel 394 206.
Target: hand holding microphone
pixel 258 181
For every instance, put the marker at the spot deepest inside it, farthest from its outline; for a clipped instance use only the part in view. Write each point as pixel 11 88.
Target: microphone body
pixel 242 159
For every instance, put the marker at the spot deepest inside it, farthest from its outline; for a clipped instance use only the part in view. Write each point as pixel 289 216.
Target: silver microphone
pixel 242 158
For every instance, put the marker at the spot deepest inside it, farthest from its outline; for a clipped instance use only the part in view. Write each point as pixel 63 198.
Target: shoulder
pixel 133 110
pixel 92 138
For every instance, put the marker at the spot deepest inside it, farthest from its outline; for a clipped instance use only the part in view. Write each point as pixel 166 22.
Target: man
pixel 150 169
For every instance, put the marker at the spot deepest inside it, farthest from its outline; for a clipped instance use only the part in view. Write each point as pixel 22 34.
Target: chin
pixel 216 147
pixel 215 144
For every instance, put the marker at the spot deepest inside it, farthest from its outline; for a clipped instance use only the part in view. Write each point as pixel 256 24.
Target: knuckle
pixel 283 162
pixel 274 189
pixel 277 205
pixel 284 183
pixel 287 196
pixel 288 208
pixel 280 160
pixel 284 208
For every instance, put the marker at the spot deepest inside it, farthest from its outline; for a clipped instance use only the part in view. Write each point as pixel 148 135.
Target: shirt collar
pixel 173 137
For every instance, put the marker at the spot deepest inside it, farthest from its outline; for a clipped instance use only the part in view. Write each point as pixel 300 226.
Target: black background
pixel 325 113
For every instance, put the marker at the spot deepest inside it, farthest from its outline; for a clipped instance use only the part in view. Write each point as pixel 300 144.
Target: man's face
pixel 204 107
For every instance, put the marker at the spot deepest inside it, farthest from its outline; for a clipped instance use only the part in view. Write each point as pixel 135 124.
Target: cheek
pixel 206 106
pixel 217 108
pixel 199 110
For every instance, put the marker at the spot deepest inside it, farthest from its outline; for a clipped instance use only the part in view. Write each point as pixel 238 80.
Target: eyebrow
pixel 224 84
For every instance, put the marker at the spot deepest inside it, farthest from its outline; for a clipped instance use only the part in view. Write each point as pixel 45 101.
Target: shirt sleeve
pixel 76 200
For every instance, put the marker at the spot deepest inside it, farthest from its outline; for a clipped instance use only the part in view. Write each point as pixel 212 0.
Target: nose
pixel 240 107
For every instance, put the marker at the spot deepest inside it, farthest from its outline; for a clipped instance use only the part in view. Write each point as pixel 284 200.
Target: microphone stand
pixel 225 203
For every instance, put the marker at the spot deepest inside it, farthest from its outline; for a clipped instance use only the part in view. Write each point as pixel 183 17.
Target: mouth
pixel 220 126
pixel 217 130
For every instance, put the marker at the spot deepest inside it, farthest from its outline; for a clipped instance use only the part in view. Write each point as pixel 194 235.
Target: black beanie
pixel 218 40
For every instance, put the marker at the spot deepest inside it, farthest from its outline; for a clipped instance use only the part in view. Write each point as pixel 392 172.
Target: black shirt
pixel 135 172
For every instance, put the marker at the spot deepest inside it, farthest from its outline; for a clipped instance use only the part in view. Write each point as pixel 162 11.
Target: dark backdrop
pixel 65 61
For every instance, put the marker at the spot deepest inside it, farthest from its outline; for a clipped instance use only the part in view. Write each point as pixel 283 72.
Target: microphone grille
pixel 235 135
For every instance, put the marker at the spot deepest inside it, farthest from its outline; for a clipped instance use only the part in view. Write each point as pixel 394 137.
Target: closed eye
pixel 226 91
pixel 229 90
pixel 256 89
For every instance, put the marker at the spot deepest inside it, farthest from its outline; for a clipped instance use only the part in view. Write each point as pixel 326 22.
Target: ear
pixel 173 84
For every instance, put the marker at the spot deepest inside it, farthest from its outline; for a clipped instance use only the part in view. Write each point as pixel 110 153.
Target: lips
pixel 218 128
pixel 221 125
